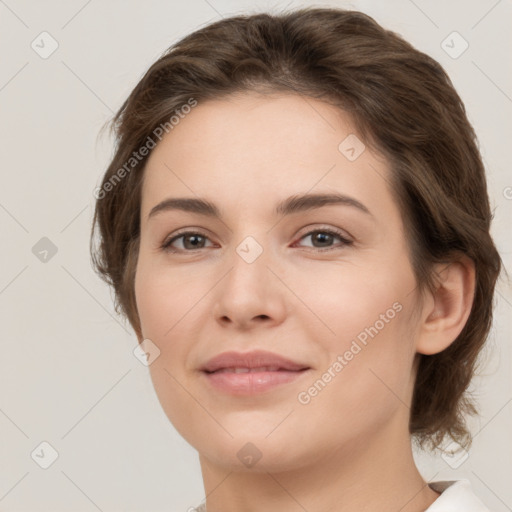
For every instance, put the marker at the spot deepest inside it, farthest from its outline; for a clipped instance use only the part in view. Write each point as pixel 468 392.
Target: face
pixel 326 284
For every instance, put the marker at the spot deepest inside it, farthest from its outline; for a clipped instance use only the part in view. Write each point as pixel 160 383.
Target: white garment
pixel 456 496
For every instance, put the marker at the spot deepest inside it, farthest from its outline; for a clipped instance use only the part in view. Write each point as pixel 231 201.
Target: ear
pixel 445 312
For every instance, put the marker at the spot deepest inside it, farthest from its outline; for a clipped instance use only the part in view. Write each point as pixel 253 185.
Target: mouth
pixel 251 373
pixel 251 381
pixel 261 369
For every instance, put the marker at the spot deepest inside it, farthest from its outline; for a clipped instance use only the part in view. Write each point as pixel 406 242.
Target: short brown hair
pixel 403 105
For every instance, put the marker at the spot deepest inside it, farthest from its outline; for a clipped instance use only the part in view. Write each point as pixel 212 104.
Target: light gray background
pixel 68 374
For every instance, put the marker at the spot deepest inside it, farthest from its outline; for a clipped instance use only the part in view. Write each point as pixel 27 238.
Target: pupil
pixel 323 237
pixel 191 238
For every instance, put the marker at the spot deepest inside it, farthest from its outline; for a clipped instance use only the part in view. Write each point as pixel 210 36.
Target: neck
pixel 366 476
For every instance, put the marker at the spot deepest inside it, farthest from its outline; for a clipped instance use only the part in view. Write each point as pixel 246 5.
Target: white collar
pixel 456 495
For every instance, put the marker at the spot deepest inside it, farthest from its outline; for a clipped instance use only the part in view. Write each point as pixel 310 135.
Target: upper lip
pixel 254 359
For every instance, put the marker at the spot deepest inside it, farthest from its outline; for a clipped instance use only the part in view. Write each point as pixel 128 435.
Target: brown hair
pixel 402 103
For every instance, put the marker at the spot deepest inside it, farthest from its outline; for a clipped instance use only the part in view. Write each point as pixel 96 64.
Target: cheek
pixel 167 319
pixel 365 334
pixel 171 315
pixel 365 385
pixel 163 297
pixel 343 301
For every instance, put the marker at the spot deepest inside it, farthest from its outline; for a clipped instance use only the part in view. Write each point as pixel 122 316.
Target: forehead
pixel 247 149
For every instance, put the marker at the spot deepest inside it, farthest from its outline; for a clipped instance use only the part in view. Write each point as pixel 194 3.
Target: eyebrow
pixel 291 205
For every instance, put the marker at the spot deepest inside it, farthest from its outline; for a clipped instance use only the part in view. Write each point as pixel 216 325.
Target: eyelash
pixel 166 245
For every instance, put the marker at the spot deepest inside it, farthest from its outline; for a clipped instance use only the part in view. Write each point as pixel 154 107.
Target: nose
pixel 250 294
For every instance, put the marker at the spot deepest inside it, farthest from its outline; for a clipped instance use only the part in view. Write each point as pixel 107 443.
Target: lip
pixel 262 371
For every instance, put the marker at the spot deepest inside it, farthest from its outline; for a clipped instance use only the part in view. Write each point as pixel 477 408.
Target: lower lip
pixel 251 383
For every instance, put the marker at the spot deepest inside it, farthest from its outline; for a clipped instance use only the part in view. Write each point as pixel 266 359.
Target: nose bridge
pixel 248 263
pixel 248 290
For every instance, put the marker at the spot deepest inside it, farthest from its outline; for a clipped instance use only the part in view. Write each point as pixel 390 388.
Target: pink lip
pixel 273 370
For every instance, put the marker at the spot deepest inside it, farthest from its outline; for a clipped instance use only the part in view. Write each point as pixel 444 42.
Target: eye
pixel 324 238
pixel 191 240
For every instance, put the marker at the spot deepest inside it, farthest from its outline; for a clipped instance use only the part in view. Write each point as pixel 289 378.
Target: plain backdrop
pixel 69 377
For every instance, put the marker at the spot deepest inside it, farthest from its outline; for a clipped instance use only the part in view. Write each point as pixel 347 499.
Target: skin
pixel 348 449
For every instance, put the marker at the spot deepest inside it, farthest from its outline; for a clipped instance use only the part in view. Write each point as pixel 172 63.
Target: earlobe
pixel 449 306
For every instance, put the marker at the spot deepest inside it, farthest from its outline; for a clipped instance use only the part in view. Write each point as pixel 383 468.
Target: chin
pixel 251 451
pixel 251 458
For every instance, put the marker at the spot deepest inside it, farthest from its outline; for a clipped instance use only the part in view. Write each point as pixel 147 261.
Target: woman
pixel 296 224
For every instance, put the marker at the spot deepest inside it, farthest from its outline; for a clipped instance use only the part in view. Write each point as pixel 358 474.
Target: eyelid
pixel 313 228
